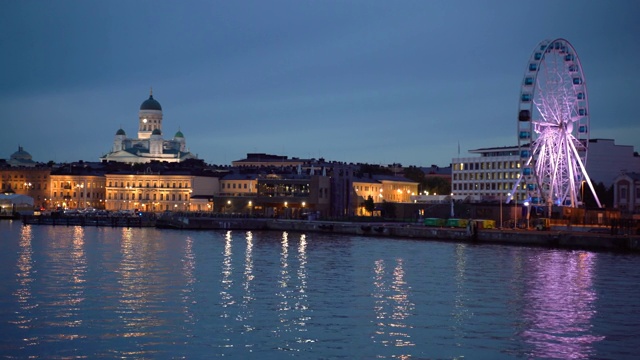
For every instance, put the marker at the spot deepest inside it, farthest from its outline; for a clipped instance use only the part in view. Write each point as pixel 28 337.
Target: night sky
pixel 356 81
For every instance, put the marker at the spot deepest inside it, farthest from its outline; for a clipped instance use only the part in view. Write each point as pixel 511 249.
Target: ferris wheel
pixel 553 127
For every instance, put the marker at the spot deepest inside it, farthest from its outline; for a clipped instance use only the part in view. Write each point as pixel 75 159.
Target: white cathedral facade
pixel 149 145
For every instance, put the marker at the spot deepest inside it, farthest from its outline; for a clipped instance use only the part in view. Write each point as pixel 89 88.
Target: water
pixel 73 292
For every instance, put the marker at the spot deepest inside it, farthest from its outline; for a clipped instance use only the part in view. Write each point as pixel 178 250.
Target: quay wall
pixel 553 238
pixel 559 239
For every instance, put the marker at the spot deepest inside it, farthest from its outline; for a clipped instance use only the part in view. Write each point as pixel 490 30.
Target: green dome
pixel 179 134
pixel 120 132
pixel 151 104
pixel 156 132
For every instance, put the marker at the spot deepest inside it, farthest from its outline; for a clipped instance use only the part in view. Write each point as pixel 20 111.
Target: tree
pixel 437 185
pixel 414 173
pixel 369 205
pixel 604 195
pixel 388 210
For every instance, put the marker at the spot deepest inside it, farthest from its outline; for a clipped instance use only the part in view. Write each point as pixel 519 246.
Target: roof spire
pixel 151 91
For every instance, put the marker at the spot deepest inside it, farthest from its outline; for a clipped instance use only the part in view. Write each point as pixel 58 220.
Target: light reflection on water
pixel 147 293
pixel 392 306
pixel 561 304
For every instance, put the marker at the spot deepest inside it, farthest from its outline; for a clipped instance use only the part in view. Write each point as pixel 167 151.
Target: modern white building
pixel 489 176
pixel 492 174
pixel 150 144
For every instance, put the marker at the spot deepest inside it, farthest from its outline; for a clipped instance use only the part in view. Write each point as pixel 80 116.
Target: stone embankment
pixel 555 238
pixel 558 238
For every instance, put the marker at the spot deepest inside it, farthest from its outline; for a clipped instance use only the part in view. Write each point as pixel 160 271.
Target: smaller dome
pixel 20 154
pixel 156 132
pixel 120 132
pixel 179 134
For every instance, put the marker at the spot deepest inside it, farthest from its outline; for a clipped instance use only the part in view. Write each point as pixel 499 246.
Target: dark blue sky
pixel 356 81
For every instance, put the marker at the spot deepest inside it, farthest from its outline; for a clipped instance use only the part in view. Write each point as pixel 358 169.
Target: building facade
pixel 157 191
pixel 29 181
pixel 290 195
pixel 77 191
pixel 489 176
pixel 258 160
pixel 382 188
pixel 606 160
pixel 627 193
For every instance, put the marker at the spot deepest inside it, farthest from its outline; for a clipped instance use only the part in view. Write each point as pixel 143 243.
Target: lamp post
pixel 515 209
pixel 584 203
pixel 501 210
pixel 526 203
pixel 452 212
pixel 79 188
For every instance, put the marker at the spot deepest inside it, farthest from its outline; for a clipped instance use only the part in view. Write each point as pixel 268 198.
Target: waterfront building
pixel 489 176
pixel 290 195
pixel 29 181
pixel 156 190
pixel 492 175
pixel 435 171
pixel 77 186
pixel 383 188
pixel 239 185
pixel 626 193
pixel 258 160
pixel 149 144
pixel 606 160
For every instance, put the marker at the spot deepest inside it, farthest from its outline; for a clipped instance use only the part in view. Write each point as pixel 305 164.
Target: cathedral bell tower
pixel 149 117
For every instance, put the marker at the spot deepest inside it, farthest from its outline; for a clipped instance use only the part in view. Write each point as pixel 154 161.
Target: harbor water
pixel 102 292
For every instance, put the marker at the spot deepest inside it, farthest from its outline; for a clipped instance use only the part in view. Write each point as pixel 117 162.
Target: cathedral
pixel 149 145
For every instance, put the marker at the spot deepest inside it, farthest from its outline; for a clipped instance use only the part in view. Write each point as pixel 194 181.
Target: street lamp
pixel 515 209
pixel 526 203
pixel 452 212
pixel 500 210
pixel 79 188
